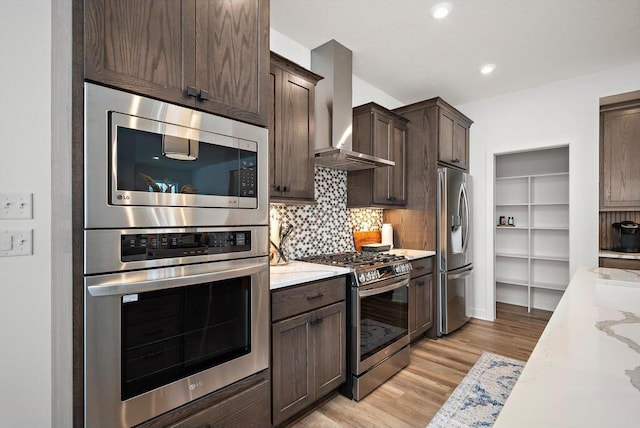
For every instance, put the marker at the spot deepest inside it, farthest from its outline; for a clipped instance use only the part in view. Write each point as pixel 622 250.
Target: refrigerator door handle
pixel 465 239
pixel 461 273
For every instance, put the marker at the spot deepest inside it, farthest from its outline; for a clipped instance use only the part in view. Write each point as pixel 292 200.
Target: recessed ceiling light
pixel 441 10
pixel 487 68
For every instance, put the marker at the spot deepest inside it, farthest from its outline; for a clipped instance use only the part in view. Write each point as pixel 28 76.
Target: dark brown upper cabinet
pixel 291 132
pixel 453 137
pixel 619 155
pixel 381 133
pixel 212 55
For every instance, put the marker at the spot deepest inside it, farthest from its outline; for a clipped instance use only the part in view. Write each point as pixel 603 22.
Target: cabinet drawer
pixel 620 263
pixel 422 266
pixel 306 297
pixel 250 408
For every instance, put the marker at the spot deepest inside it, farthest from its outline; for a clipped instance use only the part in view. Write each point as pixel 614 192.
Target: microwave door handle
pixel 121 284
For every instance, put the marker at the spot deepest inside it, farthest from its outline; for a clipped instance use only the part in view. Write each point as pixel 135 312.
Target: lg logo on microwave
pixel 193 386
pixel 123 197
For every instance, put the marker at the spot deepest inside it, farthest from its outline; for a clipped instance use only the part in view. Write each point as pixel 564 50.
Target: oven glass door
pixel 171 334
pixel 384 318
pixel 153 162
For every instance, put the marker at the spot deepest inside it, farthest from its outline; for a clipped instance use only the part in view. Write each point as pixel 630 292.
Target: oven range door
pixel 380 322
pixel 156 339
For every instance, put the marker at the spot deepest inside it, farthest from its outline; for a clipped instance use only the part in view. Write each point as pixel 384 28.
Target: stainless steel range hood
pixel 334 111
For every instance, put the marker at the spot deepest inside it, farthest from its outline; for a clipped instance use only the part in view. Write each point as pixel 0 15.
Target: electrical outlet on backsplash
pixel 327 226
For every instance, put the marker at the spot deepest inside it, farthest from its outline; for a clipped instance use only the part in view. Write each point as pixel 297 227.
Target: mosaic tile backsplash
pixel 326 227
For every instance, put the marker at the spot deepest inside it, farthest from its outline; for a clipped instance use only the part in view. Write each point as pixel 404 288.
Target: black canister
pixel 626 237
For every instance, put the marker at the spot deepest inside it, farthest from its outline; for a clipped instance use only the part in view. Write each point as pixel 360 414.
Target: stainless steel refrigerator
pixel 453 250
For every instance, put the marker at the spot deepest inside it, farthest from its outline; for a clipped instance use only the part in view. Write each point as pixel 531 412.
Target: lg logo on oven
pixel 193 386
pixel 121 197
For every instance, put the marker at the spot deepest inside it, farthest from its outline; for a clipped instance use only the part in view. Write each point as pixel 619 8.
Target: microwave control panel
pixel 151 246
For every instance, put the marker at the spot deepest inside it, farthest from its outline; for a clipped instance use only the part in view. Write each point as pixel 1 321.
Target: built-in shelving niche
pixel 532 255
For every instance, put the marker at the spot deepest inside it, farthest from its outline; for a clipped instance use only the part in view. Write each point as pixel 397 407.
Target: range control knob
pixel 361 278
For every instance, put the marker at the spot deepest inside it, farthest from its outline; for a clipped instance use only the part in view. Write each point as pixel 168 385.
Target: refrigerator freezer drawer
pixel 453 292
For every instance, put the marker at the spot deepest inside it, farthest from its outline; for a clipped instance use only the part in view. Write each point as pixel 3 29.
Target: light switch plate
pixel 16 206
pixel 16 243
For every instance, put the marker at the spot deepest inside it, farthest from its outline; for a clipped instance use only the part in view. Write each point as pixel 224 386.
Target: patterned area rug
pixel 478 400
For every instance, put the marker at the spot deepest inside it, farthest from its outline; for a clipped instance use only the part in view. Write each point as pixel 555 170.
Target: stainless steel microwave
pixel 149 163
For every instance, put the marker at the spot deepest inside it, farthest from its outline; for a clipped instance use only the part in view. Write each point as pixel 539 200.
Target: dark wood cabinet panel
pixel 415 226
pixel 382 133
pixel 453 138
pixel 292 132
pixel 619 263
pixel 619 154
pixel 137 45
pixel 329 330
pixel 293 356
pixel 249 409
pixel 232 58
pixel 421 298
pixel 209 54
pixel 245 403
pixel 309 348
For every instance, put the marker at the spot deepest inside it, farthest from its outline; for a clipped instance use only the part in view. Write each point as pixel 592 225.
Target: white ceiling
pixel 398 48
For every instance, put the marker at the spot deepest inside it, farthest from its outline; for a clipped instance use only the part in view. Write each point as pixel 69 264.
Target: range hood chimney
pixel 334 111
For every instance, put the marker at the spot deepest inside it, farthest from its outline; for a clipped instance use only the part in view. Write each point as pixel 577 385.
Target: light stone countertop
pixel 585 369
pixel 411 254
pixel 617 255
pixel 296 272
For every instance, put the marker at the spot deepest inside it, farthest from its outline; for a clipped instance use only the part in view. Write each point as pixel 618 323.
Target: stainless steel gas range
pixel 377 318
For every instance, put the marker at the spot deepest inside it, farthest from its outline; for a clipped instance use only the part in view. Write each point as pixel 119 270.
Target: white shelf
pixel 550 258
pixel 532 264
pixel 513 256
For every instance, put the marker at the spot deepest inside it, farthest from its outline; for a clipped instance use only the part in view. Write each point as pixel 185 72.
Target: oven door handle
pixel 380 290
pixel 160 279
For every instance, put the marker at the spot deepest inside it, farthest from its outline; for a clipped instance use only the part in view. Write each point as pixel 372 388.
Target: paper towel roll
pixel 387 234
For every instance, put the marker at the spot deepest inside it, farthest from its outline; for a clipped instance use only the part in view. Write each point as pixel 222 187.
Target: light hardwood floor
pixel 414 395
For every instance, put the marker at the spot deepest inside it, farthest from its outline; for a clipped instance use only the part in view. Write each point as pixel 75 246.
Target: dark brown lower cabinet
pixel 245 404
pixel 619 263
pixel 309 357
pixel 421 298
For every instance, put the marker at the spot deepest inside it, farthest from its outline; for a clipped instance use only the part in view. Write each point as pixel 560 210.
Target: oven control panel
pixel 384 272
pixel 151 246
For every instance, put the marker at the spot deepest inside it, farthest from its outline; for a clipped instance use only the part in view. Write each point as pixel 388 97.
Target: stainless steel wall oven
pixel 176 267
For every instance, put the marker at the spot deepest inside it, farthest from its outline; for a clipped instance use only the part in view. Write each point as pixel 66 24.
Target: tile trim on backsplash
pixel 325 227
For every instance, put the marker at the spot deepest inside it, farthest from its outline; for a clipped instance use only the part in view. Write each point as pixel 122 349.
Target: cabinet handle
pixel 192 91
pixel 204 95
pixel 418 268
pixel 420 283
pixel 313 296
pixel 278 188
pixel 455 160
pixel 285 189
pixel 315 321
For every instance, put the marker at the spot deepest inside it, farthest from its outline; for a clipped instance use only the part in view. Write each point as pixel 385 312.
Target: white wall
pixel 363 92
pixel 562 113
pixel 25 159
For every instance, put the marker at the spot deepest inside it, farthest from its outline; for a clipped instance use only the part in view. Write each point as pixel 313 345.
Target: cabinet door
pixel 329 348
pixel 232 58
pixel 460 145
pixel 398 172
pixel 620 151
pixel 382 134
pixel 275 131
pixel 297 132
pixel 292 362
pixel 421 291
pixel 445 138
pixel 139 46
